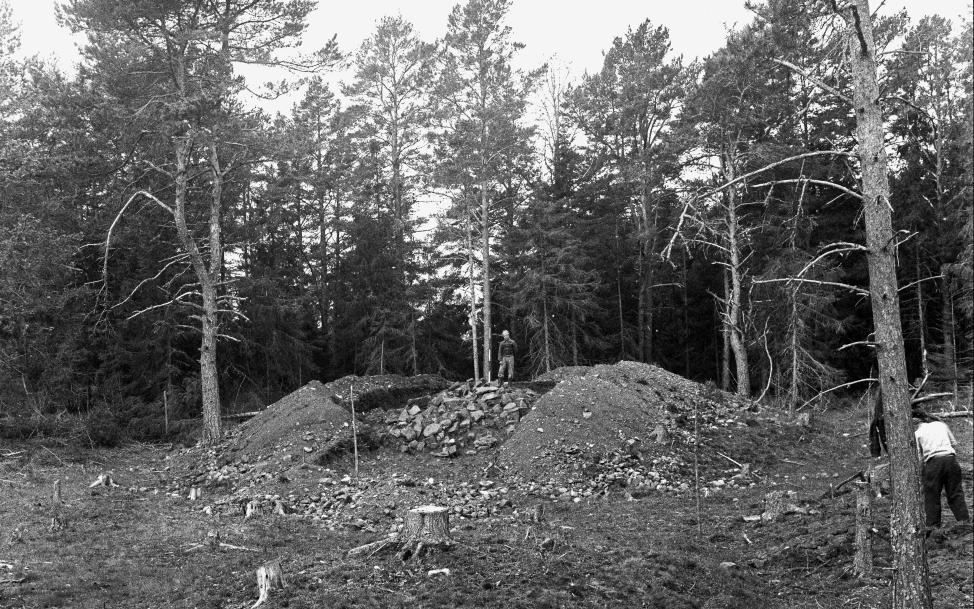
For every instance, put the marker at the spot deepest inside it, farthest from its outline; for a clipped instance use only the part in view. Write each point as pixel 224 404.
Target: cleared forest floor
pixel 128 548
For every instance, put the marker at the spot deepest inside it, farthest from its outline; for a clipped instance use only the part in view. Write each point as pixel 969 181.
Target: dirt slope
pixel 605 409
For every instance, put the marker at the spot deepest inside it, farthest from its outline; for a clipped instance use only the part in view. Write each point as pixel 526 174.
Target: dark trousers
pixel 506 365
pixel 942 474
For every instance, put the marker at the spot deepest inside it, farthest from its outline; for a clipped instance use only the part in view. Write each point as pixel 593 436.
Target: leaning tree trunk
pixel 911 587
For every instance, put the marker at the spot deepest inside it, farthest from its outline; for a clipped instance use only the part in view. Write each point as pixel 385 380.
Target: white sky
pixel 574 31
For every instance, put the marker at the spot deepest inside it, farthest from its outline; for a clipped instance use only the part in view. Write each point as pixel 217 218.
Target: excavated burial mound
pixel 316 419
pixel 308 417
pixel 600 410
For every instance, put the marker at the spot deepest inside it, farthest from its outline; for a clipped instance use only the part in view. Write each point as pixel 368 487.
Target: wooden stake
pixel 351 397
pixel 56 495
pixel 696 464
pixel 165 409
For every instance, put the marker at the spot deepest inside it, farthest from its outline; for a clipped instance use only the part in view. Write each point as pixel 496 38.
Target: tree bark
pixel 427 524
pixel 911 588
pixel 862 562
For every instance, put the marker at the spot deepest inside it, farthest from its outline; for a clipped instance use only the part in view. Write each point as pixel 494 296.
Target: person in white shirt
pixel 941 472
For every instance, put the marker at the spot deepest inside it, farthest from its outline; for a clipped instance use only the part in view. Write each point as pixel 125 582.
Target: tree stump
pixel 779 503
pixel 103 480
pixel 862 562
pixel 425 527
pixel 660 435
pixel 252 510
pixel 270 576
pixel 56 498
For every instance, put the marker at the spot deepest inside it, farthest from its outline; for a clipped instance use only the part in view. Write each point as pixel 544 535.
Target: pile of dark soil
pixel 315 420
pixel 384 390
pixel 611 408
pixel 309 418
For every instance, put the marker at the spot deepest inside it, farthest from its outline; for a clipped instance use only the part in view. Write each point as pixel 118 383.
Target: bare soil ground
pixel 128 546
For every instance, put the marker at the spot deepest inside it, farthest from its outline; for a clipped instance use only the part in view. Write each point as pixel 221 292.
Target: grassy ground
pixel 128 548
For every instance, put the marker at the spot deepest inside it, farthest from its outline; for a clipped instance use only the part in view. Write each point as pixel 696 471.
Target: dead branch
pixel 176 260
pixel 835 284
pixel 831 389
pixel 953 415
pixel 927 398
pixel 920 386
pixel 176 300
pixel 815 80
pixel 841 247
pixel 847 191
pixel 790 159
pixel 108 237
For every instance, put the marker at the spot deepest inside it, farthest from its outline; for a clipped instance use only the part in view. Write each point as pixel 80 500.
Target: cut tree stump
pixel 270 576
pixel 777 504
pixel 425 528
pixel 862 562
pixel 56 498
pixel 103 480
pixel 252 510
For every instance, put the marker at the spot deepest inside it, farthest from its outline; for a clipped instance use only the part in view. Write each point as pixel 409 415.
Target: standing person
pixel 505 352
pixel 941 472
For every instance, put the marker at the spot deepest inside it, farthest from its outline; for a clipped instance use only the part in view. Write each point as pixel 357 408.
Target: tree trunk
pixel 473 300
pixel 546 333
pixel 921 318
pixel 488 328
pixel 725 382
pixel 622 318
pixel 862 562
pixel 209 381
pixel 911 587
pixel 793 390
pixel 209 373
pixel 734 321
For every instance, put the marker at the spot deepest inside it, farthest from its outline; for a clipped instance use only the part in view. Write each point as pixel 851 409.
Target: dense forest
pixel 165 240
